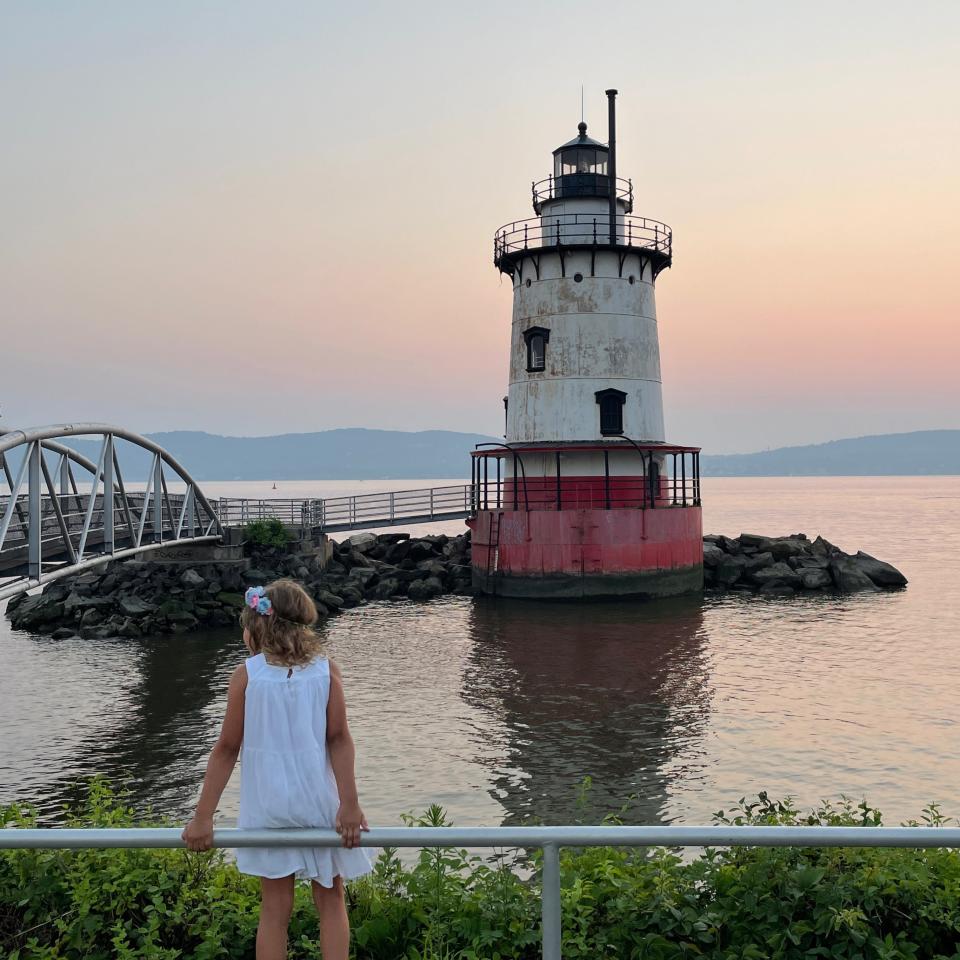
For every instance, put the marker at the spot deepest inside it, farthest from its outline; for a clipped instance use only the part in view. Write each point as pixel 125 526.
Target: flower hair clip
pixel 254 598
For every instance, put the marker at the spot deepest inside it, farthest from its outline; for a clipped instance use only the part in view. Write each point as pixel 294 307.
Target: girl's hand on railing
pixel 198 833
pixel 350 823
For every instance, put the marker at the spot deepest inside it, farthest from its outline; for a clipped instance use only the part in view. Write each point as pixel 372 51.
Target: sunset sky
pixel 256 218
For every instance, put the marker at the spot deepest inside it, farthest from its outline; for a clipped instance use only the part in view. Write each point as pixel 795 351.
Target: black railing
pixel 648 489
pixel 582 230
pixel 571 185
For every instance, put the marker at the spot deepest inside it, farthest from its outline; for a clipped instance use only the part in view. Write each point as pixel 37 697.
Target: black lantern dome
pixel 581 156
pixel 580 167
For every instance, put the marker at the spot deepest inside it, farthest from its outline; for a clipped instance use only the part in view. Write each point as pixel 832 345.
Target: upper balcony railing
pixel 553 231
pixel 572 185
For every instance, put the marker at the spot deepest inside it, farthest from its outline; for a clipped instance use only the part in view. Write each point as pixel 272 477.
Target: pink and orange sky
pixel 257 218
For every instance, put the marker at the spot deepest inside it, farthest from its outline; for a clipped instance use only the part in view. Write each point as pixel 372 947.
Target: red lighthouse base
pixel 577 553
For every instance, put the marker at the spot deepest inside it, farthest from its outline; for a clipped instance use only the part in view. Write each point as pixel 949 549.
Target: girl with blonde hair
pixel 286 719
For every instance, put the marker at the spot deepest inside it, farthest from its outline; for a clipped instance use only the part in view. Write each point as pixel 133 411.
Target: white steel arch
pixel 52 528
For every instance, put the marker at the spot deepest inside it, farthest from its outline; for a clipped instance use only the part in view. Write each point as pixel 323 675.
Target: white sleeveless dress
pixel 286 779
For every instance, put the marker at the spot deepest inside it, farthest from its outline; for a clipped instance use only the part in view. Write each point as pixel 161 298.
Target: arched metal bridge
pixel 62 513
pixel 53 524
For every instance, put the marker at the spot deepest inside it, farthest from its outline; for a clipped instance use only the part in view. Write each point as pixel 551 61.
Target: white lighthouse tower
pixel 585 497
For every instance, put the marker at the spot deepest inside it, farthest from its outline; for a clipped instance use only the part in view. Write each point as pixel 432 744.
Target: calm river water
pixel 498 709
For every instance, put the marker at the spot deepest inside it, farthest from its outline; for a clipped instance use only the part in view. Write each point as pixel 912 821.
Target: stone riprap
pixel 782 566
pixel 137 598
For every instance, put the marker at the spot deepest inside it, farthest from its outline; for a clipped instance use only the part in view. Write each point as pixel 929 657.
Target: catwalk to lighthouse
pixel 585 498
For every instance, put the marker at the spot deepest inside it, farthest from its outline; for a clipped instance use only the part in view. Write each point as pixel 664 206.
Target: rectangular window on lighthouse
pixel 536 338
pixel 611 411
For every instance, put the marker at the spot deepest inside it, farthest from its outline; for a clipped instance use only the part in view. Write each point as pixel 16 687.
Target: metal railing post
pixel 550 902
pixel 108 525
pixel 34 497
pixel 157 499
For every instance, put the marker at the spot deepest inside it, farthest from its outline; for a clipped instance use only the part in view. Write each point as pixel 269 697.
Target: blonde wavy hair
pixel 286 636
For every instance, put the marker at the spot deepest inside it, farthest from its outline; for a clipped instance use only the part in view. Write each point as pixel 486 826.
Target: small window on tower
pixel 536 339
pixel 611 411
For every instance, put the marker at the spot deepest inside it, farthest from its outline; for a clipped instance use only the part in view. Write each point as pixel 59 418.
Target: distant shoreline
pixel 390 456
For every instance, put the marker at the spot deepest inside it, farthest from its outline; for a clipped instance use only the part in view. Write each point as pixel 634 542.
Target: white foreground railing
pixel 548 839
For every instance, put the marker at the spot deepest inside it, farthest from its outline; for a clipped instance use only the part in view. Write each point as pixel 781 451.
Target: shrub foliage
pixel 743 904
pixel 266 533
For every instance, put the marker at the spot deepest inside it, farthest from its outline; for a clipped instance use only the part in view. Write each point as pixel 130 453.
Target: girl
pixel 285 708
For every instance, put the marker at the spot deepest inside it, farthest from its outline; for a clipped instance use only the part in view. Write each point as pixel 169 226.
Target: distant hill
pixel 359 454
pixel 349 454
pixel 922 452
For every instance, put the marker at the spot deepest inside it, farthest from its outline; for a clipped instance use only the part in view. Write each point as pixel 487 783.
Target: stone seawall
pixel 140 598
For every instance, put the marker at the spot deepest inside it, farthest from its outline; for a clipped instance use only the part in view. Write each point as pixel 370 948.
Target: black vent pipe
pixel 612 161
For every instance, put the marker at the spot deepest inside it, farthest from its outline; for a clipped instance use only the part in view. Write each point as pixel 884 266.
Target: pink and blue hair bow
pixel 254 598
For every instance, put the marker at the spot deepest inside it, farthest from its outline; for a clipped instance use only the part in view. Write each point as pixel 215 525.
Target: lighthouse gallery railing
pixel 581 229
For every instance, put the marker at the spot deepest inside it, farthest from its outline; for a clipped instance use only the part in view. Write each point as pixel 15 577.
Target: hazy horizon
pixel 256 220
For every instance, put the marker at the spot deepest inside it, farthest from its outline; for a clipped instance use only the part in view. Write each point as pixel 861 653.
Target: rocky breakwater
pixel 140 598
pixel 783 566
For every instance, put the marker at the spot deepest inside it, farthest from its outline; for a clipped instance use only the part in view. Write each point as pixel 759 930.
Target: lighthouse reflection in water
pixel 593 704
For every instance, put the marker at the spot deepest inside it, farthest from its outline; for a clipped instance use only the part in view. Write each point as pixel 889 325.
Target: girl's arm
pixel 198 834
pixel 350 818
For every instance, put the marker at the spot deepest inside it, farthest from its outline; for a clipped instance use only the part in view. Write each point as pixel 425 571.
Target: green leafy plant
pixel 266 533
pixel 727 904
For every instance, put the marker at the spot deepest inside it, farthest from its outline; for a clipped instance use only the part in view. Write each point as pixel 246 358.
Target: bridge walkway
pixel 358 512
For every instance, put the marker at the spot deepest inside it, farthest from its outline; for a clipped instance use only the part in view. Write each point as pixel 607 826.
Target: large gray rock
pixel 757 562
pixel 386 589
pixel 362 542
pixel 729 570
pixel 329 599
pixel 815 578
pixel 362 575
pixel 849 578
pixel 176 611
pixel 78 602
pixel 135 607
pixel 191 579
pixel 729 544
pixel 825 548
pixel 779 574
pixel 422 549
pixel 712 554
pixel 36 611
pixel 882 574
pixel 783 548
pixel 425 589
pixel 351 596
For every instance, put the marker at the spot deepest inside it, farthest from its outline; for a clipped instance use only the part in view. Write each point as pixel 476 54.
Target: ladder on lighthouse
pixel 493 550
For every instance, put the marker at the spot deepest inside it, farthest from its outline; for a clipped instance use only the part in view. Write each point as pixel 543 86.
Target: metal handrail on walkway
pixel 548 839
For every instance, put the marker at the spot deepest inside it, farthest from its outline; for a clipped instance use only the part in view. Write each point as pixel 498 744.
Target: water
pixel 499 709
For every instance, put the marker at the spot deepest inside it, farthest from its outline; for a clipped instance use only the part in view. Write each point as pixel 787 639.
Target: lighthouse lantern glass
pixel 580 160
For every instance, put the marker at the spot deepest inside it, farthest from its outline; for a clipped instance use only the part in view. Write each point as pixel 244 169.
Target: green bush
pixel 785 904
pixel 266 533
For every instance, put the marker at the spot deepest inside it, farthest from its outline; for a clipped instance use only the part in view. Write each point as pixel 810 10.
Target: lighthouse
pixel 585 497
